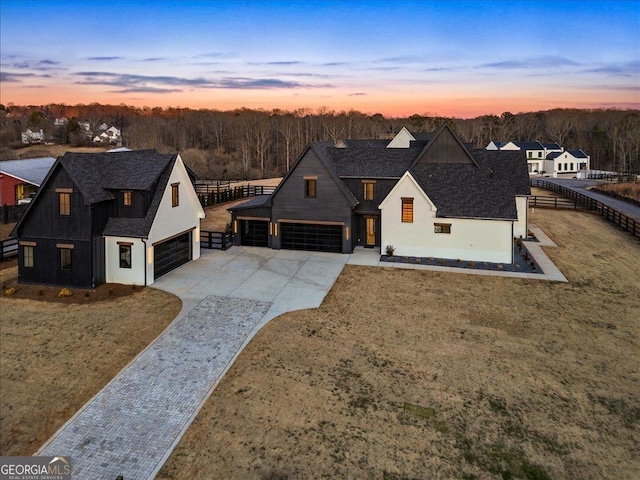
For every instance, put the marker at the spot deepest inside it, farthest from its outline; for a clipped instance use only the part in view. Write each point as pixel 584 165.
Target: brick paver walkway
pixel 132 425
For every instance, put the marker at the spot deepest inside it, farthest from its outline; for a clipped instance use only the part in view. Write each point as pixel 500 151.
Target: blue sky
pixel 393 57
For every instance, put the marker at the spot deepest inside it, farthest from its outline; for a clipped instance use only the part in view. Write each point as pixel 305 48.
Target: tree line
pixel 247 143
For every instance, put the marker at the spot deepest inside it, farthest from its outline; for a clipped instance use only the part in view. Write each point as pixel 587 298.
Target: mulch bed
pixel 523 262
pixel 47 293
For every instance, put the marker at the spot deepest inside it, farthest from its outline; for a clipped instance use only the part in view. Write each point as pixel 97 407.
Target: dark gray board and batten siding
pixel 289 202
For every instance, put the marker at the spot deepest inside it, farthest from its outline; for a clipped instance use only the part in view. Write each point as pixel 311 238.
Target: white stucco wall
pixel 520 227
pixel 170 221
pixel 470 239
pixel 127 276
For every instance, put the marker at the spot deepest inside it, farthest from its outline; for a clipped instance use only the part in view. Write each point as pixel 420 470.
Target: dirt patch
pixel 55 356
pixel 38 151
pixel 217 218
pixel 630 190
pixel 411 374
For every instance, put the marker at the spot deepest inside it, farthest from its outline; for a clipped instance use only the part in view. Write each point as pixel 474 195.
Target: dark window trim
pixel 32 256
pixel 442 228
pixel 311 187
pixel 125 248
pixel 66 267
pixel 409 202
pixel 175 194
pixel 64 208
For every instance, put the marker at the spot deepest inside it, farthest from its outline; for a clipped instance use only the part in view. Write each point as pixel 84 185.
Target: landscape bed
pixel 523 262
pixel 406 374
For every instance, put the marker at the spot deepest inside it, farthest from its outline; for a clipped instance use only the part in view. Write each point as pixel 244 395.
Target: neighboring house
pixel 61 122
pixel 20 178
pixel 537 153
pixel 428 198
pixel 32 136
pixel 568 162
pixel 110 135
pixel 404 138
pixel 126 217
pixel 84 125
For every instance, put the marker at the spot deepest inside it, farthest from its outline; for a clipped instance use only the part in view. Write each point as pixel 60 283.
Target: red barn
pixel 20 178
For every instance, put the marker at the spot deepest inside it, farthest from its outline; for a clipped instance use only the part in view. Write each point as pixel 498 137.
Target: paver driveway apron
pixel 131 426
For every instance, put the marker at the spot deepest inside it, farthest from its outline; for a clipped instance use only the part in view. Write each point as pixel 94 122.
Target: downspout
pixel 144 260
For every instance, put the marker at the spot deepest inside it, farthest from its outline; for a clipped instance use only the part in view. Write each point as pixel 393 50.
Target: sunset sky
pixel 394 57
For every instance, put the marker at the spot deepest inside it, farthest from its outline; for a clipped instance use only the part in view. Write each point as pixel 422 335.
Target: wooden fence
pixel 229 194
pixel 553 202
pixel 8 248
pixel 583 201
pixel 215 240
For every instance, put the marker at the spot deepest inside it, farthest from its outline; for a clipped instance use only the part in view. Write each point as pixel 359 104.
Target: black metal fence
pixel 611 214
pixel 11 213
pixel 215 240
pixel 8 248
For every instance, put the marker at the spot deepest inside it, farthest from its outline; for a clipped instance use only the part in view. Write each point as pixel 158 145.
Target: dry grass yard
pixel 409 374
pixel 56 355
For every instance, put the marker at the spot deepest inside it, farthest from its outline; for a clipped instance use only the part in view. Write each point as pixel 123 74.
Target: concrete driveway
pixel 131 426
pixel 289 280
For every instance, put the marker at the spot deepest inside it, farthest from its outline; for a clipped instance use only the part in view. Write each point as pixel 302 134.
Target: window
pixel 27 256
pixel 175 194
pixel 572 167
pixel 126 199
pixel 125 255
pixel 368 190
pixel 539 154
pixel 65 203
pixel 65 259
pixel 442 227
pixel 310 187
pixel 407 210
pixel 530 154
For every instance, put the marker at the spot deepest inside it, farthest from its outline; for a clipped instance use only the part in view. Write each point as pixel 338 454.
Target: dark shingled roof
pixel 552 146
pixel 487 191
pixel 529 145
pixel 96 173
pixel 578 153
pixel 140 227
pixel 372 162
pixel 423 136
pixel 365 143
pixel 258 201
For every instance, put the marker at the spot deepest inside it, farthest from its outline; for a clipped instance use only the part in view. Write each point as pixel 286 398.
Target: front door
pixel 371 231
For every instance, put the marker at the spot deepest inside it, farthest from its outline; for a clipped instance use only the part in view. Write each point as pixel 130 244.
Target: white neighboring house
pixel 111 135
pixel 569 162
pixel 84 125
pixel 404 138
pixel 32 136
pixel 61 122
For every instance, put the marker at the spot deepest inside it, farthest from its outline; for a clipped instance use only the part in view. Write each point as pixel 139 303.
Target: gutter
pixel 144 259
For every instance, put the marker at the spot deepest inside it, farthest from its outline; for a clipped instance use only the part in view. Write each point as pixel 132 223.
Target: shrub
pixel 65 292
pixel 389 250
pixel 9 291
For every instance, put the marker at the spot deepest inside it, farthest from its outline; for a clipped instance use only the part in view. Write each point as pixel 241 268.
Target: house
pixel 537 153
pixel 123 217
pixel 569 162
pixel 31 135
pixel 20 178
pixel 430 197
pixel 61 121
pixel 109 135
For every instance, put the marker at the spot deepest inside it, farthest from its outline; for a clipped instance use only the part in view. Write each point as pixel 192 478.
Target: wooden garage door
pixel 314 237
pixel 171 254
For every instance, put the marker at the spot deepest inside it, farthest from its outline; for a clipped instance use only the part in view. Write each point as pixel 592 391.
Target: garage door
pixel 320 238
pixel 171 254
pixel 254 233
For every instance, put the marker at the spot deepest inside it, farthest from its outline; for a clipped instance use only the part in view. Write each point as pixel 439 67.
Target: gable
pixel 402 139
pixel 407 186
pixel 445 148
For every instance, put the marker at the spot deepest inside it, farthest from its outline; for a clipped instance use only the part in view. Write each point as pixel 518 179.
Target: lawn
pixel 413 374
pixel 55 354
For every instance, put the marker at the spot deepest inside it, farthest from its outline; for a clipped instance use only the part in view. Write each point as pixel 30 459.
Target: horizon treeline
pixel 249 143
